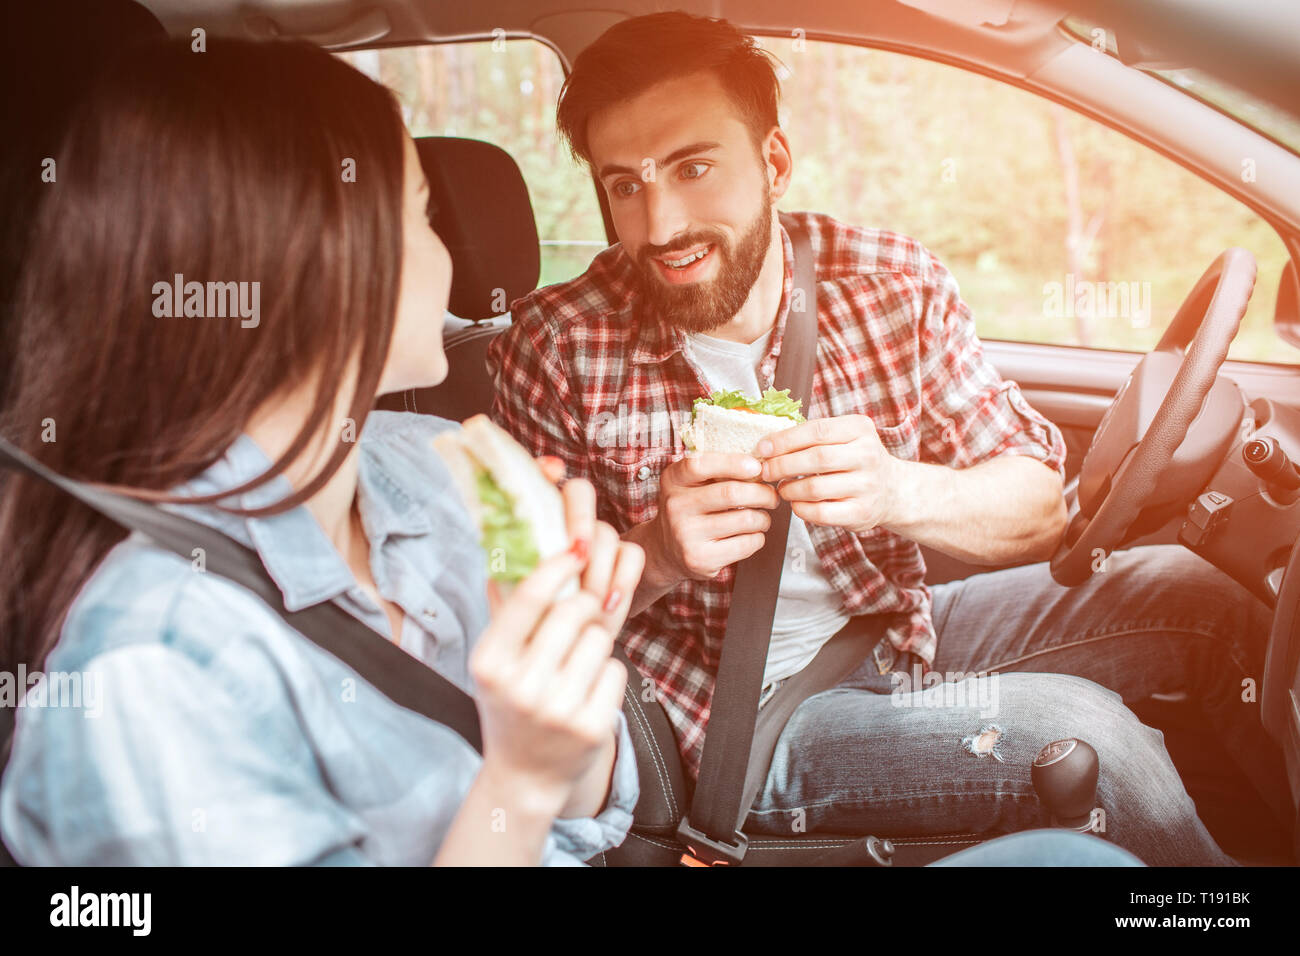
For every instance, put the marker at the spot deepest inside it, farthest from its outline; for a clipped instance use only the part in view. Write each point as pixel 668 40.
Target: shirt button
pixel 430 613
pixel 643 473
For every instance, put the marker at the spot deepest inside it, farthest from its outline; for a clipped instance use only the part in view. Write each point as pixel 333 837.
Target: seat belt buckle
pixel 702 850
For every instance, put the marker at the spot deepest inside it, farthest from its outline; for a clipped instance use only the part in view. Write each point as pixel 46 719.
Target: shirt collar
pixel 297 553
pixel 393 502
pixel 657 339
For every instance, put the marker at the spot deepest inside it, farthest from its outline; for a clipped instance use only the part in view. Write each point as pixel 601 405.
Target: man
pixel 912 439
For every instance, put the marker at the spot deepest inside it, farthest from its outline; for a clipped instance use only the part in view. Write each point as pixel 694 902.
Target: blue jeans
pixel 871 755
pixel 1042 848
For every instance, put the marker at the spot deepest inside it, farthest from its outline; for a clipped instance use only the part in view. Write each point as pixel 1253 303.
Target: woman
pixel 216 733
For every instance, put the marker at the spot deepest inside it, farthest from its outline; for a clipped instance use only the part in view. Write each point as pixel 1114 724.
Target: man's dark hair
pixel 634 55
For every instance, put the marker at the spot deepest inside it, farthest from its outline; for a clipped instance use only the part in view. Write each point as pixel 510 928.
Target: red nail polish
pixel 579 549
pixel 612 601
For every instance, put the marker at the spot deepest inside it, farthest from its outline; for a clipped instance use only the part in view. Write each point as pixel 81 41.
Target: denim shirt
pixel 210 732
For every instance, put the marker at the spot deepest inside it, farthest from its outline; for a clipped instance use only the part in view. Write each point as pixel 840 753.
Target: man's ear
pixel 778 163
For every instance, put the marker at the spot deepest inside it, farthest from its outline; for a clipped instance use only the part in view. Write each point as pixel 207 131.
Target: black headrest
pixel 486 221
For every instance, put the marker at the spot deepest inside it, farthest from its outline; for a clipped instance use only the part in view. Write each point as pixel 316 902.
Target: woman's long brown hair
pixel 268 163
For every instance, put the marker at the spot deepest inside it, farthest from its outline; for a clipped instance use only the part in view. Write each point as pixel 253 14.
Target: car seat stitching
pixel 661 768
pixel 1029 794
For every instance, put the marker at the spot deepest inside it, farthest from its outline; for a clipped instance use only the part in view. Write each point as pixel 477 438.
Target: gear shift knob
pixel 1064 775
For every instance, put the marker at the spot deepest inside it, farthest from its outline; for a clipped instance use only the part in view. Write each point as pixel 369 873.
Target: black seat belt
pixel 711 830
pixel 406 680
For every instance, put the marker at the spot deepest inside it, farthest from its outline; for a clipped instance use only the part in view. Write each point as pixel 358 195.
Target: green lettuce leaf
pixel 503 529
pixel 773 402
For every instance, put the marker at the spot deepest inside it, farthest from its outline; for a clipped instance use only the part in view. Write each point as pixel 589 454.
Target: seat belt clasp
pixel 702 850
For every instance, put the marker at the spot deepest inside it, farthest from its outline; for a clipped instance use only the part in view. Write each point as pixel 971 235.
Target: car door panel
pixel 1073 387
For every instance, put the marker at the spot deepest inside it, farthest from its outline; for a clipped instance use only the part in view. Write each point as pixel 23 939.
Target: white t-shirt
pixel 809 610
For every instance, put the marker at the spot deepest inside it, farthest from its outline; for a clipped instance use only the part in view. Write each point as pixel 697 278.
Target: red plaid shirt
pixel 585 375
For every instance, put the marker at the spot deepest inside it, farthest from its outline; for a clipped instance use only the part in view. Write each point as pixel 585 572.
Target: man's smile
pixel 688 265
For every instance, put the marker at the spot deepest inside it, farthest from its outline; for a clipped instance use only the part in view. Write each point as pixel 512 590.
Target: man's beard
pixel 709 304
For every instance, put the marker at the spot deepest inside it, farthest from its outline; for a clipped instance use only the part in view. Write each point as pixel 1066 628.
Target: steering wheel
pixel 1132 454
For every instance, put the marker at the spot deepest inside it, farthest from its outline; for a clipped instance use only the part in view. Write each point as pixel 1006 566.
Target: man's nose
pixel 665 217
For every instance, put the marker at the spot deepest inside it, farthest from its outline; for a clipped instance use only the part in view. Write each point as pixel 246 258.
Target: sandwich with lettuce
pixel 518 511
pixel 729 421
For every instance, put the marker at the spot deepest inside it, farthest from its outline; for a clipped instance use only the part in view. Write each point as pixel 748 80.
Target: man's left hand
pixel 835 471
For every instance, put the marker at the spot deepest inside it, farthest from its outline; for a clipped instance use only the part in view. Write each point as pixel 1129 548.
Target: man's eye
pixel 701 169
pixel 626 188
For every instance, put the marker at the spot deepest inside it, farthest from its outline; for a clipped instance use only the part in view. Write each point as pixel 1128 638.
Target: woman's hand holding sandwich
pixel 548 691
pixel 835 471
pixel 548 694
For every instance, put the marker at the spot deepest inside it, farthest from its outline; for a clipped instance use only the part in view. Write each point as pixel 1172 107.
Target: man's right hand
pixel 713 512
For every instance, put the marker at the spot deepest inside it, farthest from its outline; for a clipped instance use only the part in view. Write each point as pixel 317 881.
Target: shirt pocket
pixel 902 438
pixel 628 486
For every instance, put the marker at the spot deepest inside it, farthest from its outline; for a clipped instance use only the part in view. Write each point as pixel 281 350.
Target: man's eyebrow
pixel 703 147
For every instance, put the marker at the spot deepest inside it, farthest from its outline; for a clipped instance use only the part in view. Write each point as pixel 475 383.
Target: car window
pixel 502 91
pixel 1058 229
